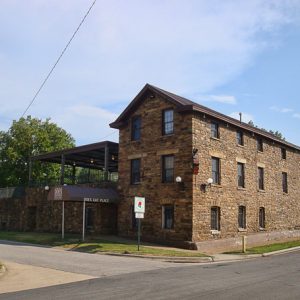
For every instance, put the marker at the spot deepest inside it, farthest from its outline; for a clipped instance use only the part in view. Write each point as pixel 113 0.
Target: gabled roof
pixel 185 105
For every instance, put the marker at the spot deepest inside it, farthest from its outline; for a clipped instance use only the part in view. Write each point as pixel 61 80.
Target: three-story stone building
pixel 204 175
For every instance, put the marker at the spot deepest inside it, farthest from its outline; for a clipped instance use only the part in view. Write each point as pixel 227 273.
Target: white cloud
pixel 188 48
pixel 87 124
pixel 245 116
pixel 281 110
pixel 226 99
pixel 296 116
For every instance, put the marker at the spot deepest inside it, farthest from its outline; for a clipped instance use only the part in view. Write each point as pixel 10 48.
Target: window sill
pixel 241 146
pixel 215 232
pixel 166 135
pixel 262 229
pixel 216 185
pixel 242 230
pixel 240 188
pixel 261 191
pixel 215 139
pixel 259 151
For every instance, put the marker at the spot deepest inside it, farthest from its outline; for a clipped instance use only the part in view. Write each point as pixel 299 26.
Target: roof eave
pixel 238 124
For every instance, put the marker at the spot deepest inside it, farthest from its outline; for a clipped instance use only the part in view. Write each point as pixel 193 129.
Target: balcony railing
pixel 12 192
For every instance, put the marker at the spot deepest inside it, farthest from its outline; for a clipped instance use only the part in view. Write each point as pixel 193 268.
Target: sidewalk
pixel 19 277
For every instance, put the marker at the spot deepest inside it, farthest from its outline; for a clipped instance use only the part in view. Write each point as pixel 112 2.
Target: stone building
pixel 207 179
pixel 204 175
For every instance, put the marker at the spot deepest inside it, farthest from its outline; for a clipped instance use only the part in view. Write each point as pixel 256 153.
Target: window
pixel 240 138
pixel 242 217
pixel 136 128
pixel 168 121
pixel 283 153
pixel 261 185
pixel 241 174
pixel 215 218
pixel 168 216
pixel 284 182
pixel 259 144
pixel 135 171
pixel 168 168
pixel 262 222
pixel 215 170
pixel 214 130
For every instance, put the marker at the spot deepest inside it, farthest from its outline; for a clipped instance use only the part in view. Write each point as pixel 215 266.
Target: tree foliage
pixel 276 133
pixel 25 138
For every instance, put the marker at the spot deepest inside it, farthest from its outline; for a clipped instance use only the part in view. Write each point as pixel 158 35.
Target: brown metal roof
pixel 186 105
pixel 80 194
pixel 88 156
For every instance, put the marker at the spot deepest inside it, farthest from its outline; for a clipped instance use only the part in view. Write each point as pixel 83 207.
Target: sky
pixel 231 56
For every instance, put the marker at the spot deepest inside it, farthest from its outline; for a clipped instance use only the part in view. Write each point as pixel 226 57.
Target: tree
pixel 276 133
pixel 25 138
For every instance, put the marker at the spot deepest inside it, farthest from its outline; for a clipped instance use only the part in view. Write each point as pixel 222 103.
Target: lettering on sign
pixel 95 200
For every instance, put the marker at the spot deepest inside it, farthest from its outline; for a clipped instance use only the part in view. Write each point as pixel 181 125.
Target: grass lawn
pixel 268 248
pixel 73 242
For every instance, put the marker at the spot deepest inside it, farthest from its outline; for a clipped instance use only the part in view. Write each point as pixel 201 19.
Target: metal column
pixel 62 170
pixel 73 174
pixel 63 220
pixel 83 220
pixel 106 153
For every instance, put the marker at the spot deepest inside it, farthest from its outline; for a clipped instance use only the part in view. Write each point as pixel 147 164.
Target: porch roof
pixel 93 156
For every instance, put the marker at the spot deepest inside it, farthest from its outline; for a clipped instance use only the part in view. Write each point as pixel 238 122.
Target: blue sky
pixel 232 56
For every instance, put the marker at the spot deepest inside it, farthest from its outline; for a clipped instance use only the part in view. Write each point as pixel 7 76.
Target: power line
pixel 110 134
pixel 57 61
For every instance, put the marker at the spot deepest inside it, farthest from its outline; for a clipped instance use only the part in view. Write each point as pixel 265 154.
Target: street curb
pixel 281 251
pixel 185 259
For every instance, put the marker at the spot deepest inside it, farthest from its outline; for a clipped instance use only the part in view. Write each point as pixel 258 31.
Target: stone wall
pixel 150 149
pixel 252 240
pixel 193 205
pixel 34 212
pixel 282 209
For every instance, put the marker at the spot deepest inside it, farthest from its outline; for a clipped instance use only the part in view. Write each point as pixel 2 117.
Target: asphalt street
pixel 274 277
pixel 75 262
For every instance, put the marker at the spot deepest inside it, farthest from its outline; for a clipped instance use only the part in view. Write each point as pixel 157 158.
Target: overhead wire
pixel 59 58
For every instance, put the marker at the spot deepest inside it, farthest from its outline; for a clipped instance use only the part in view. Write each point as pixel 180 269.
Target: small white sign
pixel 139 204
pixel 139 215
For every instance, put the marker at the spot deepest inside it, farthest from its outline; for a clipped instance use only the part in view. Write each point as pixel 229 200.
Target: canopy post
pixel 63 220
pixel 106 152
pixel 62 170
pixel 73 174
pixel 83 221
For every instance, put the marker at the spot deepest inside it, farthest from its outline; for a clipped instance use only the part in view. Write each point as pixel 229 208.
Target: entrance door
pixel 89 218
